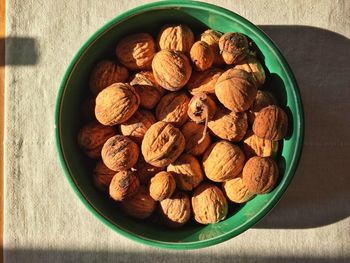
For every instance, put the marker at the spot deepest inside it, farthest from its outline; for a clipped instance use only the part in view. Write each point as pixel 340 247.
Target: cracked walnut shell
pixel 193 133
pixel 204 81
pixel 176 37
pixel 256 146
pixel 234 47
pixel 202 55
pixel 236 191
pixel 162 186
pixel 123 185
pixel 252 65
pixel 102 176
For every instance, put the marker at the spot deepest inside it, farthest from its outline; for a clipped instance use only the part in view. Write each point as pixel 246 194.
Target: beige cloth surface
pixel 44 220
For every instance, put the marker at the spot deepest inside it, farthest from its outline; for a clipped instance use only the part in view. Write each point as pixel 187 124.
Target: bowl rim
pixel 295 93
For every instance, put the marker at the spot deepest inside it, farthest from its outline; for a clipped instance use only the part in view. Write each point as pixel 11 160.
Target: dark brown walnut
pixel 201 108
pixel 212 37
pixel 162 186
pixel 187 172
pixel 105 74
pixel 176 37
pixel 146 171
pixel 229 125
pixel 236 191
pixel 204 81
pixel 202 56
pixel 119 153
pixel 162 144
pixel 262 100
pixel 176 210
pixel 171 69
pixel 136 127
pixel 195 143
pixel 92 136
pixel 116 104
pixel 136 51
pixel 88 109
pixel 209 204
pixel 256 146
pixel 252 65
pixel 123 185
pixel 141 205
pixel 102 176
pixel 271 123
pixel 172 108
pixel 260 174
pixel 236 90
pixel 234 47
pixel 223 161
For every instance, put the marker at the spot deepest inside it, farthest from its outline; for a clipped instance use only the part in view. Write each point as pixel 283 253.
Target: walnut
pixel 201 108
pixel 176 37
pixel 252 65
pixel 136 51
pixel 236 90
pixel 176 210
pixel 202 55
pixel 262 100
pixel 212 37
pixel 136 127
pixel 171 69
pixel 223 161
pixel 141 205
pixel 146 171
pixel 92 137
pixel 209 204
pixel 237 191
pixel 88 109
pixel 234 47
pixel 123 185
pixel 204 81
pixel 187 172
pixel 229 125
pixel 254 145
pixel 260 174
pixel 105 74
pixel 162 186
pixel 271 123
pixel 102 176
pixel 119 153
pixel 172 108
pixel 162 144
pixel 116 104
pixel 193 133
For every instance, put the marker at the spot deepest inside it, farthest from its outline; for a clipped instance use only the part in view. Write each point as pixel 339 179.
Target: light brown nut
pixel 162 186
pixel 88 109
pixel 234 47
pixel 171 69
pixel 119 153
pixel 187 172
pixel 162 144
pixel 123 185
pixel 262 100
pixel 105 74
pixel 136 51
pixel 136 127
pixel 223 161
pixel 229 125
pixel 236 191
pixel 271 123
pixel 102 176
pixel 212 37
pixel 202 56
pixel 176 210
pixel 236 90
pixel 92 136
pixel 204 81
pixel 141 205
pixel 252 65
pixel 176 37
pixel 256 146
pixel 201 107
pixel 172 108
pixel 146 171
pixel 209 204
pixel 116 104
pixel 193 132
pixel 260 174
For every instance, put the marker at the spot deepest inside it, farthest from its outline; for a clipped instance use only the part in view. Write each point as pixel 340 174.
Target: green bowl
pixel 74 88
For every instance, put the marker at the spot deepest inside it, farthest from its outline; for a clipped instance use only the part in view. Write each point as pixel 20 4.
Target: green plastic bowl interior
pixel 74 88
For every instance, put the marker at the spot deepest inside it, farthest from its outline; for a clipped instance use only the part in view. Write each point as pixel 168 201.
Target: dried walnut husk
pixel 212 37
pixel 252 65
pixel 262 100
pixel 204 81
pixel 146 171
pixel 234 47
pixel 123 185
pixel 201 108
pixel 202 56
pixel 256 146
pixel 193 133
pixel 162 186
pixel 176 37
pixel 236 191
pixel 102 176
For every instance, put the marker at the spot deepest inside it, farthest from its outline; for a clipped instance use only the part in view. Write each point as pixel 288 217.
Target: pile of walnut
pixel 182 126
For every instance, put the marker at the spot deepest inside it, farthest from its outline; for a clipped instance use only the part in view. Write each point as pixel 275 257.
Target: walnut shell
pixel 209 204
pixel 201 107
pixel 271 123
pixel 176 210
pixel 262 100
pixel 136 51
pixel 162 144
pixel 171 69
pixel 260 174
pixel 229 125
pixel 92 137
pixel 202 56
pixel 256 146
pixel 136 127
pixel 162 186
pixel 187 172
pixel 193 132
pixel 123 185
pixel 252 65
pixel 236 90
pixel 102 176
pixel 146 171
pixel 105 74
pixel 88 109
pixel 204 81
pixel 212 37
pixel 176 37
pixel 223 161
pixel 116 104
pixel 234 47
pixel 236 191
pixel 119 153
pixel 141 205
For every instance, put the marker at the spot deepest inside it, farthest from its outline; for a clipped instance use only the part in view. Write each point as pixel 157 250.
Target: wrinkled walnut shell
pixel 162 186
pixel 252 65
pixel 212 37
pixel 204 81
pixel 123 185
pixel 176 37
pixel 256 146
pixel 102 176
pixel 201 108
pixel 202 56
pixel 146 171
pixel 193 133
pixel 262 100
pixel 234 47
pixel 236 191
